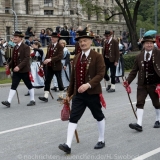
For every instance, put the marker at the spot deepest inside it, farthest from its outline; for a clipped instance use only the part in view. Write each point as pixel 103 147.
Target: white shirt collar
pixel 150 54
pixel 86 53
pixel 109 40
pixel 55 44
pixel 20 43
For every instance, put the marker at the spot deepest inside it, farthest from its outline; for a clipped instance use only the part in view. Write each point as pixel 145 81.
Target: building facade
pixel 42 14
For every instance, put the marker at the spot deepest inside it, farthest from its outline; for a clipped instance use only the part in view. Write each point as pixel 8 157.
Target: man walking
pixel 53 66
pixel 87 72
pixel 20 66
pixel 111 57
pixel 147 65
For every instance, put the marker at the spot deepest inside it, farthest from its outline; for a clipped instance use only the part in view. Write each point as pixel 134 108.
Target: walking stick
pixel 11 78
pixel 130 101
pixel 44 80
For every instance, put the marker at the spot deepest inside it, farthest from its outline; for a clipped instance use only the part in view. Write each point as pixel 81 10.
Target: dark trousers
pixel 143 91
pixel 16 78
pixel 79 103
pixel 49 77
pixel 112 67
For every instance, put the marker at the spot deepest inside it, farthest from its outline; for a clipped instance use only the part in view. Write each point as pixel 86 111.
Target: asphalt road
pixel 34 132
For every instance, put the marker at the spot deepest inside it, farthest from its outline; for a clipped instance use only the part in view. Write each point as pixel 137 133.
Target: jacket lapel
pixel 89 58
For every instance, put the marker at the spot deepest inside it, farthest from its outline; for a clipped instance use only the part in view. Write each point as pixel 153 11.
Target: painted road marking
pixel 146 155
pixel 28 126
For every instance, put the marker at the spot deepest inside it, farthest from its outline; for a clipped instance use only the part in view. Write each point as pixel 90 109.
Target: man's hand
pixel 47 61
pixel 83 88
pixel 6 67
pixel 125 84
pixel 115 63
pixel 16 69
pixel 64 67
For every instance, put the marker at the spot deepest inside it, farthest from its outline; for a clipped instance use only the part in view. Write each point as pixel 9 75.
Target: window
pixel 7 10
pixel 48 3
pixel 48 12
pixel 27 6
pixel 98 31
pixel 71 12
pixel 7 34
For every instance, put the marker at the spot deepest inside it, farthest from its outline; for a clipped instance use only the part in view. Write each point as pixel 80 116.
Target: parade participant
pixel 111 57
pixel 37 56
pixel 120 66
pixel 66 69
pixel 147 66
pixel 87 72
pixel 20 66
pixel 53 65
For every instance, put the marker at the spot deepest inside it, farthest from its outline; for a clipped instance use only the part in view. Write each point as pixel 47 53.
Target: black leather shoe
pixel 43 99
pixel 108 87
pixel 157 124
pixel 6 103
pixel 111 90
pixel 136 127
pixel 31 103
pixel 64 147
pixel 99 145
pixel 60 99
pixel 27 94
pixel 54 89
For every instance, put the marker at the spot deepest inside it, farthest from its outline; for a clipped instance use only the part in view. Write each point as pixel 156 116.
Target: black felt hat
pixel 55 34
pixel 83 34
pixel 18 33
pixel 107 32
pixel 148 39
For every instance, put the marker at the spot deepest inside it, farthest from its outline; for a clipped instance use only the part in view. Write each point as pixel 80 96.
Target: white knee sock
pixel 46 93
pixel 101 130
pixel 31 92
pixel 11 94
pixel 139 116
pixel 112 86
pixel 71 129
pixel 157 114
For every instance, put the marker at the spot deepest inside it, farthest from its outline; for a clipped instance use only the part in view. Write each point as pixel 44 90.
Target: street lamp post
pixel 16 20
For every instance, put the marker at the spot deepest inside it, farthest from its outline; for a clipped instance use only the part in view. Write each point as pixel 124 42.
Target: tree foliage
pixel 137 14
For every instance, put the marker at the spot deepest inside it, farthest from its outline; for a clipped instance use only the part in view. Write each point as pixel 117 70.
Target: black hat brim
pixel 19 35
pixel 148 40
pixel 85 36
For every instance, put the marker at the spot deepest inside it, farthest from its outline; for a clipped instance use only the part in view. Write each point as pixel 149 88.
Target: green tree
pixel 129 10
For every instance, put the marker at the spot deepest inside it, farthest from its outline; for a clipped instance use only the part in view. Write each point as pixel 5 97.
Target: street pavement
pixel 34 132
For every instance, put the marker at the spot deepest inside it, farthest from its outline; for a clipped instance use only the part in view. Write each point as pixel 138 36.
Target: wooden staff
pixel 130 100
pixel 44 80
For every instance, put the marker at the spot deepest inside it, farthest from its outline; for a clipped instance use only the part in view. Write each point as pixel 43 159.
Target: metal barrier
pixel 8 53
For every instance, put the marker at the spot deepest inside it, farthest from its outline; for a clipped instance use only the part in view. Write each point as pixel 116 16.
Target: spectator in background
pixel 58 29
pixel 73 36
pixel 29 41
pixel 65 34
pixel 42 37
pixel 48 34
pixel 97 41
pixel 29 32
pixel 125 40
